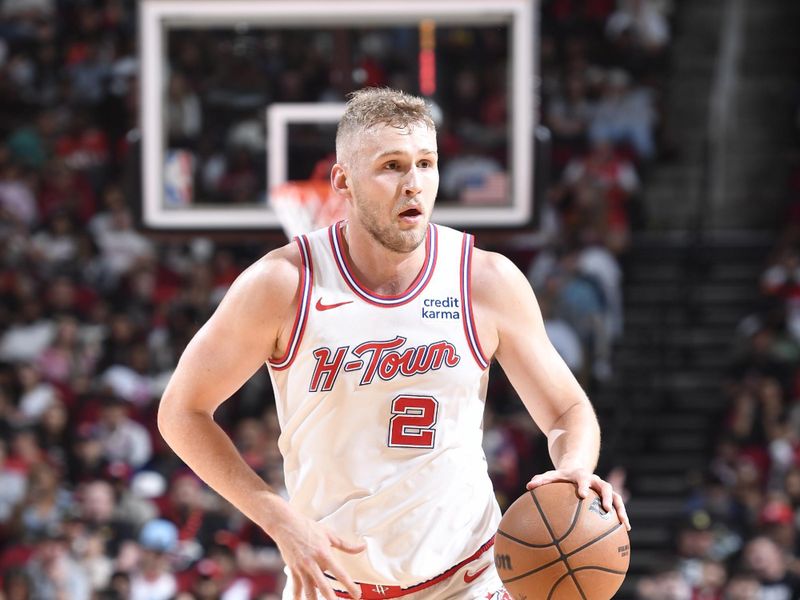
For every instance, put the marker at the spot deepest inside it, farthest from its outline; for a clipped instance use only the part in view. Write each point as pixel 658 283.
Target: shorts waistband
pixel 373 591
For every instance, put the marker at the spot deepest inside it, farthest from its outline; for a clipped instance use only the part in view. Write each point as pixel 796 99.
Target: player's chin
pixel 409 238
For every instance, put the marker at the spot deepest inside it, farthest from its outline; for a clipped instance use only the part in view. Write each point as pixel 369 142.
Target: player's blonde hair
pixel 369 107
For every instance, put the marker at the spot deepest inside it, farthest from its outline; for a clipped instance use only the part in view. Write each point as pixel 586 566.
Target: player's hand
pixel 307 549
pixel 586 480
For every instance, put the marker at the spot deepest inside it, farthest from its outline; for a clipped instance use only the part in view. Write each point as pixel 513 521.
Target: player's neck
pixel 381 270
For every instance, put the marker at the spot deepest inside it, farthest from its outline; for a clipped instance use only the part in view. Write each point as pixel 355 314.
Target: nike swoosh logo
pixel 321 306
pixel 470 577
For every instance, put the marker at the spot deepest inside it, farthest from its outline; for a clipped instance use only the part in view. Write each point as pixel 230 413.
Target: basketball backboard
pixel 240 95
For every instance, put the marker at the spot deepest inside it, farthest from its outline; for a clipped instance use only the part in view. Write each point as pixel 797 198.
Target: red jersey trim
pixel 371 591
pixel 303 307
pixel 415 289
pixel 466 303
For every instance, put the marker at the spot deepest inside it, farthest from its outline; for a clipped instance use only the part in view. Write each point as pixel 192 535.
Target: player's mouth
pixel 411 215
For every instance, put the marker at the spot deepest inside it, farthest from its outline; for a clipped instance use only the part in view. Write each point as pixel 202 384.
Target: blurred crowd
pixel 604 67
pixel 94 312
pixel 739 539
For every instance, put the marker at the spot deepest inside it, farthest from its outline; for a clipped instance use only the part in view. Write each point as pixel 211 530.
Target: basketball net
pixel 306 205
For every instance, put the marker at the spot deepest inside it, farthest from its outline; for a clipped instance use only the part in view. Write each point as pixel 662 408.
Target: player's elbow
pixel 578 414
pixel 177 417
pixel 171 413
pixel 165 416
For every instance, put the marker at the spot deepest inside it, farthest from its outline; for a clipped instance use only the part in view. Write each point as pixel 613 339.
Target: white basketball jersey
pixel 380 401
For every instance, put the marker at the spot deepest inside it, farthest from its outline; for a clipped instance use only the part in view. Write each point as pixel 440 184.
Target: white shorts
pixel 476 580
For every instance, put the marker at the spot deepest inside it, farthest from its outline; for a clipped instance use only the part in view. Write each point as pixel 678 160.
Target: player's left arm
pixel 510 327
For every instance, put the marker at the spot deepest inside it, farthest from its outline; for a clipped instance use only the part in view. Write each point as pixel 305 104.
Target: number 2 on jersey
pixel 412 423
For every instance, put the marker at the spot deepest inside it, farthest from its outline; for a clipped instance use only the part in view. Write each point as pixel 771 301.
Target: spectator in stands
pixel 595 193
pixel 193 510
pixel 13 484
pixel 580 302
pixel 119 587
pixel 56 246
pixel 123 439
pixel 17 201
pixel 45 505
pixel 666 584
pixel 568 116
pixel 121 246
pixel 53 572
pixel 31 143
pixel 53 434
pixel 154 579
pixel 742 586
pixel 642 19
pixel 16 585
pixel 184 115
pixel 712 580
pixel 776 521
pixel 766 560
pixel 66 189
pixel 67 358
pixel 598 262
pixel 31 330
pixel 625 115
pixel 35 395
pixel 88 547
pixel 563 337
pixel 694 544
pixel 97 508
pixel 87 461
pixel 218 578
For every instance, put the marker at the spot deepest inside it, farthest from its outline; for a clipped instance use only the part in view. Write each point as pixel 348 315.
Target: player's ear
pixel 340 180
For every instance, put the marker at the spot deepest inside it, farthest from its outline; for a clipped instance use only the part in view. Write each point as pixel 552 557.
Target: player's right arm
pixel 251 325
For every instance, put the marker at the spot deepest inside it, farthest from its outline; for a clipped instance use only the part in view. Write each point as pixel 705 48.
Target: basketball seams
pixel 534 571
pixel 522 542
pixel 595 540
pixel 604 569
pixel 560 579
pixel 556 584
pixel 556 541
pixel 577 583
pixel 575 518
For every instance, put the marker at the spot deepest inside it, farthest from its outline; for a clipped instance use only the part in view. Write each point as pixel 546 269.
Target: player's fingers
pixel 584 483
pixel 541 479
pixel 606 493
pixel 308 586
pixel 342 577
pixel 345 546
pixel 622 513
pixel 297 586
pixel 323 584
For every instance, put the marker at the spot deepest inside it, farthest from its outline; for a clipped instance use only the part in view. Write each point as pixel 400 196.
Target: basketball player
pixel 378 333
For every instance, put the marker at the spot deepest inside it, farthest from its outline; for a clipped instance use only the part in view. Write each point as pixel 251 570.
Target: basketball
pixel 552 544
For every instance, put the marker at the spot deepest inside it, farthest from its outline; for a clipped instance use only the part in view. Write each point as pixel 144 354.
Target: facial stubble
pixel 391 238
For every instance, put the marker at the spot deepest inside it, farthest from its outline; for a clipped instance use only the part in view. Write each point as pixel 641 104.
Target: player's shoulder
pixel 498 284
pixel 492 268
pixel 275 276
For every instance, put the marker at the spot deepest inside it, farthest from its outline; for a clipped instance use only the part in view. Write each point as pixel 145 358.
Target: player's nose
pixel 412 183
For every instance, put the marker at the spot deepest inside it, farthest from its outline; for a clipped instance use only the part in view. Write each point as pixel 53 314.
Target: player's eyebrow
pixel 386 153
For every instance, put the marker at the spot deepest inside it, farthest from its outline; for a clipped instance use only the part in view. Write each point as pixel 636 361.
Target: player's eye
pixel 425 164
pixel 392 165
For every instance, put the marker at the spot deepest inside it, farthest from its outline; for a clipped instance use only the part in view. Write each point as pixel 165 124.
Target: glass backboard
pixel 241 95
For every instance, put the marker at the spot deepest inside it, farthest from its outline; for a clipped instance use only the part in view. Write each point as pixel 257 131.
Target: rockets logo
pixel 386 359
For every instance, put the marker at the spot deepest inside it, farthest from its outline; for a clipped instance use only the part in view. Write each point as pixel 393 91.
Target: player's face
pixel 394 179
